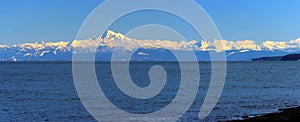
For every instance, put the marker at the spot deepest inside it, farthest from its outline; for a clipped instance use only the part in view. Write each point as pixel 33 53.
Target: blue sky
pixel 55 20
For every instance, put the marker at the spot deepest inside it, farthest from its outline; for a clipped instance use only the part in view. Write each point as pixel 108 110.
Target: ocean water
pixel 45 91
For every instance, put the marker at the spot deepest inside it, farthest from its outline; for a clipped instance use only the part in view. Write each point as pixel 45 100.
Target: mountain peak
pixel 109 34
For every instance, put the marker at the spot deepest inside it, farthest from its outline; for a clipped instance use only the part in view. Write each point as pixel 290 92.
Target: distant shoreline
pixel 290 57
pixel 289 114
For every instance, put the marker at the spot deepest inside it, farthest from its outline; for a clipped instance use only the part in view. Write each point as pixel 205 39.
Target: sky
pixel 24 21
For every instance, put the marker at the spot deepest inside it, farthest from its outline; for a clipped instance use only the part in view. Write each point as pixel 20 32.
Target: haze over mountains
pixel 146 50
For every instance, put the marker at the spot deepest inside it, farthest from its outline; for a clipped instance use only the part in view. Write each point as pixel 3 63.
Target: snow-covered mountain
pixel 146 50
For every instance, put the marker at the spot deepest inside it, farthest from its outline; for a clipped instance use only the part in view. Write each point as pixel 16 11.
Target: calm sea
pixel 45 91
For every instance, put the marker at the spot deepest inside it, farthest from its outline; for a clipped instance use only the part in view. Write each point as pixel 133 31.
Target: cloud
pixel 36 46
pixel 294 43
pixel 166 44
pixel 60 45
pixel 272 45
pixel 247 44
pixel 84 44
pixel 223 45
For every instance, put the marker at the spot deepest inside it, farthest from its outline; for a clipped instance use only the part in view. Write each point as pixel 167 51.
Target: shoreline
pixel 288 114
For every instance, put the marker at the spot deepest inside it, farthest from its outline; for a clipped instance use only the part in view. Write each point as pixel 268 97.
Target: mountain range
pixel 145 50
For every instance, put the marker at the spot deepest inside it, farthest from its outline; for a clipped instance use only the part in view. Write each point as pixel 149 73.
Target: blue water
pixel 45 91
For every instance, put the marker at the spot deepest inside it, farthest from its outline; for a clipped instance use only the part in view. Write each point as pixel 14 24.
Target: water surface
pixel 44 91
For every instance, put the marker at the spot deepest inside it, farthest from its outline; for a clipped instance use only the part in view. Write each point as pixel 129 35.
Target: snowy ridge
pixel 107 42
